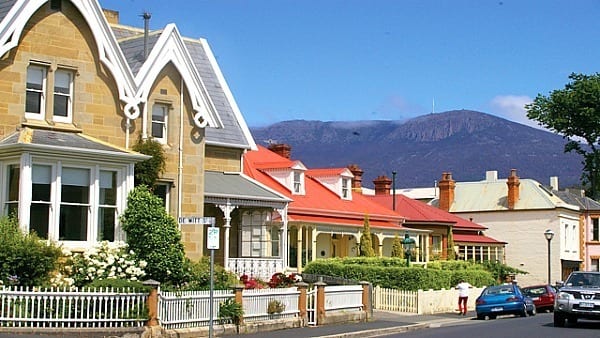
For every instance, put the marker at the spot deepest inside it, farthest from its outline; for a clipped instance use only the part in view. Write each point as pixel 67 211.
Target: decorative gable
pixel 292 177
pixel 338 180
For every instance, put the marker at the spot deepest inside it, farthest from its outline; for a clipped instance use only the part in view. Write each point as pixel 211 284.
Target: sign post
pixel 212 244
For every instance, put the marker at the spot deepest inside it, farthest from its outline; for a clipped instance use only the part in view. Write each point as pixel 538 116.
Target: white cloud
pixel 512 107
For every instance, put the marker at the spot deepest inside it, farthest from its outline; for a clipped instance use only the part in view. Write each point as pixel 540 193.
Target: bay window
pixel 67 202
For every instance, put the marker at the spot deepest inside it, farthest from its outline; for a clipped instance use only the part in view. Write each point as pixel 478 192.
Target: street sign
pixel 195 220
pixel 212 238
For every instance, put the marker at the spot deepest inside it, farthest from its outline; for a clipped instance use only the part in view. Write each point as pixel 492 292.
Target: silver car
pixel 579 297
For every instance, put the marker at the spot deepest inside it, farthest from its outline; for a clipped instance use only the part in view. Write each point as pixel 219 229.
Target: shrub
pixel 366 244
pixel 230 311
pixel 119 284
pixel 275 306
pixel 198 277
pixel 280 280
pixel 148 171
pixel 154 236
pixel 106 260
pixel 25 259
pixel 392 273
pixel 252 282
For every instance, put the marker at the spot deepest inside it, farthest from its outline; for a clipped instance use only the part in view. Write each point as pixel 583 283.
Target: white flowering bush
pixel 107 260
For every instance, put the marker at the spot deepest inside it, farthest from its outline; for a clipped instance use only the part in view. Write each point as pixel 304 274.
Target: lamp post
pixel 394 190
pixel 408 244
pixel 549 234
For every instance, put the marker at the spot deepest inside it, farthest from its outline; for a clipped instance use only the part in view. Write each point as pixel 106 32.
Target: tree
pixel 397 250
pixel 451 253
pixel 366 246
pixel 154 236
pixel 574 112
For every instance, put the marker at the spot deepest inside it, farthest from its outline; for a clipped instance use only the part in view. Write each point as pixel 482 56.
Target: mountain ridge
pixel 465 142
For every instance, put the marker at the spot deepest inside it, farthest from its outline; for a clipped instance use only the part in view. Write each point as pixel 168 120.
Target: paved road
pixel 537 326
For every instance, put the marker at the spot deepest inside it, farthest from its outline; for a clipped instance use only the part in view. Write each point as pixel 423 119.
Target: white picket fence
pixel 343 297
pixel 256 303
pixel 72 308
pixel 189 308
pixel 421 301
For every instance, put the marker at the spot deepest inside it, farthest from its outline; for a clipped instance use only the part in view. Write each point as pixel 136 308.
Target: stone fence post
pixel 152 302
pixel 366 299
pixel 302 301
pixel 320 307
pixel 240 300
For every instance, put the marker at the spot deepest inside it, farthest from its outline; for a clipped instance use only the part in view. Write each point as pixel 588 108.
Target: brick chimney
pixel 513 189
pixel 111 16
pixel 446 186
pixel 357 180
pixel 382 185
pixel 281 149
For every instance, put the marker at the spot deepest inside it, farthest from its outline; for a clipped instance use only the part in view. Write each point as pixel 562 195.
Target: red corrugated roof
pixel 418 211
pixel 318 200
pixel 326 171
pixel 468 238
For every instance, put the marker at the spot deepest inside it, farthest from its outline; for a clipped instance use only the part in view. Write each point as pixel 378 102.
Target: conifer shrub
pixel 154 236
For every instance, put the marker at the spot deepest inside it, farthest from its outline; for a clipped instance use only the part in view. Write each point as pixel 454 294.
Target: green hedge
pixel 391 273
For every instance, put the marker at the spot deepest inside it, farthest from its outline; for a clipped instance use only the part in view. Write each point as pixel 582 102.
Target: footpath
pixel 383 323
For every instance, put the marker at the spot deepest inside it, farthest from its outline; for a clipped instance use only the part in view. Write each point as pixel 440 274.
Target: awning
pixel 479 239
pixel 241 190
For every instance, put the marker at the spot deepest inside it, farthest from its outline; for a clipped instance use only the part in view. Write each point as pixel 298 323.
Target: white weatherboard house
pixel 518 212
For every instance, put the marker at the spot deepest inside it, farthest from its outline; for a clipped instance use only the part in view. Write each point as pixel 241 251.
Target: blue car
pixel 503 299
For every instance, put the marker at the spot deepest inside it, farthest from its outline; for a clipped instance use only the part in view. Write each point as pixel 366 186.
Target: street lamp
pixel 549 234
pixel 408 244
pixel 394 190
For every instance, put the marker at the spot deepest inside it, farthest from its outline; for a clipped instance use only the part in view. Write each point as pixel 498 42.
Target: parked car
pixel 543 296
pixel 503 299
pixel 578 297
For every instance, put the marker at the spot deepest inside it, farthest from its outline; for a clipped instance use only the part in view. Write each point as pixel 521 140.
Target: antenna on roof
pixel 146 17
pixel 270 141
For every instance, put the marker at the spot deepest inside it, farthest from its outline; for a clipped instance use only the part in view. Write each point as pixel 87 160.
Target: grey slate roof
pixel 578 199
pixel 62 140
pixel 133 49
pixel 5 6
pixel 219 185
pixel 132 44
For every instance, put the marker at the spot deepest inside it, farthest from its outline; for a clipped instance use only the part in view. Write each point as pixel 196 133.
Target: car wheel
pixel 533 312
pixel 524 311
pixel 492 316
pixel 572 320
pixel 559 320
pixel 480 317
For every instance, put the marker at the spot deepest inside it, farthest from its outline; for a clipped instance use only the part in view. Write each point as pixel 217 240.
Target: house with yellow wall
pixel 78 90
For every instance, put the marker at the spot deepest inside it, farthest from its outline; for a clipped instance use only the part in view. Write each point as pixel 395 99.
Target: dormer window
pixel 297 182
pixel 345 188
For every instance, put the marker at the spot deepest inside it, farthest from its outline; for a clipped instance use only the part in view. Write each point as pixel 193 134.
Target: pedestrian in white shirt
pixel 463 295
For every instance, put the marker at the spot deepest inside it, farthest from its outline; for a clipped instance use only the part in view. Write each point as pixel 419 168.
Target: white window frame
pixel 93 205
pixel 42 92
pixel 165 124
pixel 346 188
pixel 68 95
pixel 297 182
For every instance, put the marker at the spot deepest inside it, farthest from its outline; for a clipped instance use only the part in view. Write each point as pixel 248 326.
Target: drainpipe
pixel 180 151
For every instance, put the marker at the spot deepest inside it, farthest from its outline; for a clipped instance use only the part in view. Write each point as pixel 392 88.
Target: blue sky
pixel 347 60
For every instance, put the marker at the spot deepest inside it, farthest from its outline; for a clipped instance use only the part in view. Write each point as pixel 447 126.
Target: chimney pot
pixel 446 187
pixel 382 185
pixel 281 149
pixel 513 189
pixel 357 180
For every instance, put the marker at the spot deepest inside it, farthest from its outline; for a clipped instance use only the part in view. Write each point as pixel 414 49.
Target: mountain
pixel 464 142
